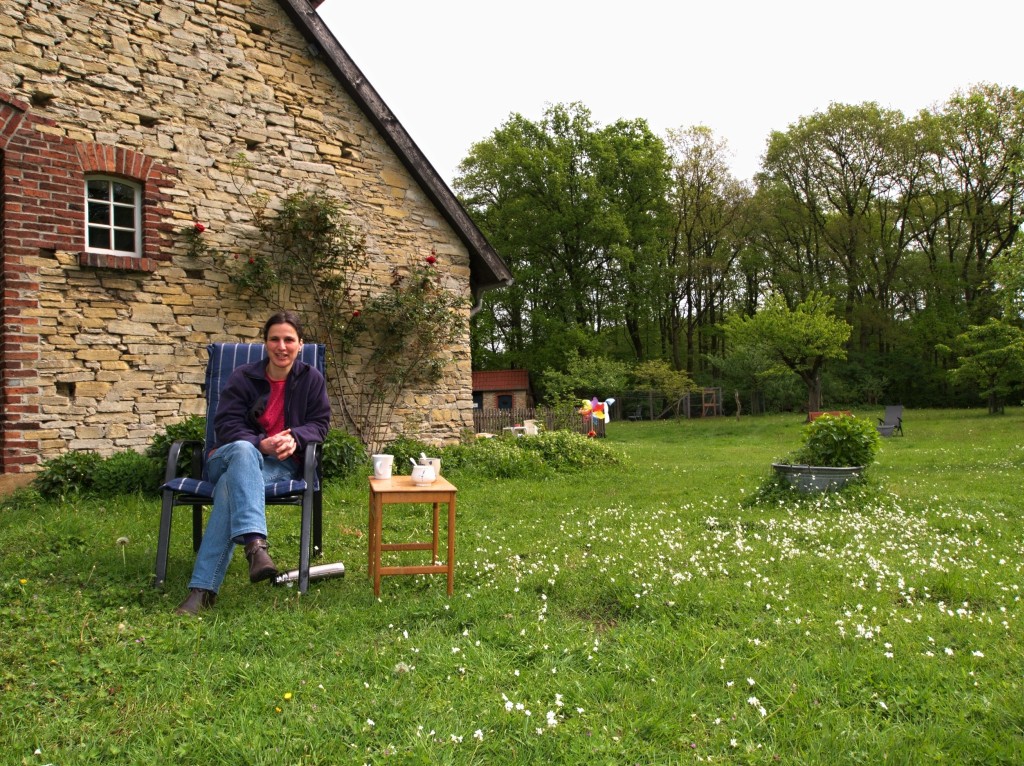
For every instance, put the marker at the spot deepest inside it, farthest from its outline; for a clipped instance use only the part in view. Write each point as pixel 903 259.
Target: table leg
pixel 451 545
pixel 376 521
pixel 378 535
pixel 369 541
pixel 437 518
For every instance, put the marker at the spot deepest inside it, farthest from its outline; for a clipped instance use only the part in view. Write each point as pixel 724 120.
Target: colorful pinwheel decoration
pixel 593 409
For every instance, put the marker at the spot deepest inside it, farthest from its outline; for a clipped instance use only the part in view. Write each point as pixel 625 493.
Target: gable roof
pixel 501 380
pixel 486 268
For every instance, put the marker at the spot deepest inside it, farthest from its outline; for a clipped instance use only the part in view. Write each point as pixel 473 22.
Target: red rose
pixel 431 259
pixel 251 259
pixel 200 227
pixel 355 314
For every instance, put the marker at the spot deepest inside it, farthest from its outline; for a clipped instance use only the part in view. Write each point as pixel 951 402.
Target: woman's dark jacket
pixel 307 410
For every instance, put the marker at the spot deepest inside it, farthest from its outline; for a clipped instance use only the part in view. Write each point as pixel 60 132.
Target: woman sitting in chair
pixel 268 411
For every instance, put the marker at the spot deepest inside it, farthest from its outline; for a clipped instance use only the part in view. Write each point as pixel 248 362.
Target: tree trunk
pixel 813 382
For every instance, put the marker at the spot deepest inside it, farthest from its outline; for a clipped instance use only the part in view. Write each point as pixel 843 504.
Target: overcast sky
pixel 454 70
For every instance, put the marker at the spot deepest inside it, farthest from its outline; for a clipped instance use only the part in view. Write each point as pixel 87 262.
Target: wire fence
pixel 501 421
pixel 633 405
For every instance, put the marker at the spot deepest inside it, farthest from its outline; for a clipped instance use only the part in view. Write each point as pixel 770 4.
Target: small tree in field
pixel 657 376
pixel 584 377
pixel 801 339
pixel 991 357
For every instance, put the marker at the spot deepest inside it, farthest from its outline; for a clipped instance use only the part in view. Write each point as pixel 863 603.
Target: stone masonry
pixel 101 353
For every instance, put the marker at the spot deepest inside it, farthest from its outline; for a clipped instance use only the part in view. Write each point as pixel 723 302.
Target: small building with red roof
pixel 502 389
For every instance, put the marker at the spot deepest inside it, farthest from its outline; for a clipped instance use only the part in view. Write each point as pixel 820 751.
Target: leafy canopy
pixel 990 357
pixel 799 339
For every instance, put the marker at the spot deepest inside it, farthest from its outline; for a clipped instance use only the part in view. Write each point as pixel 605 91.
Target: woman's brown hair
pixel 284 317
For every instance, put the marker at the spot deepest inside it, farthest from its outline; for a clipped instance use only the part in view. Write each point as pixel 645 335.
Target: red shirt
pixel 272 419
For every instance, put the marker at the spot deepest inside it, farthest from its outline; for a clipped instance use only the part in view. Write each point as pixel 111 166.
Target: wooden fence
pixel 497 421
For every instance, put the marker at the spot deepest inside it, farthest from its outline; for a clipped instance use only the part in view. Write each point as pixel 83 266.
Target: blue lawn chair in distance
pixel 195 490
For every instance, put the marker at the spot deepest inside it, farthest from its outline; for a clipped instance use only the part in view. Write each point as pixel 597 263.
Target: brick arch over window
pixel 44 183
pixel 43 196
pixel 154 178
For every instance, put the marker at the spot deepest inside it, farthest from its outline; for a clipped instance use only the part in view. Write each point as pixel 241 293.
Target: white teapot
pixel 423 475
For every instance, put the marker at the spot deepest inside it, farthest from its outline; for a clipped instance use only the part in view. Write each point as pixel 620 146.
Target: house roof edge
pixel 487 269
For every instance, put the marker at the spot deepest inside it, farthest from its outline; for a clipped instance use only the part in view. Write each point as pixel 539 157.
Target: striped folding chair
pixel 195 490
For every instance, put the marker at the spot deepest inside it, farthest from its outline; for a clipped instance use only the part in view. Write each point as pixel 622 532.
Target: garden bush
pixel 193 427
pixel 842 440
pixel 508 457
pixel 568 451
pixel 536 456
pixel 404 448
pixel 499 458
pixel 126 473
pixel 343 455
pixel 67 474
pixel 90 473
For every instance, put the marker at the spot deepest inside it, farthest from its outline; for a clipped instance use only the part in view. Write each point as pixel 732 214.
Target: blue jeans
pixel 240 473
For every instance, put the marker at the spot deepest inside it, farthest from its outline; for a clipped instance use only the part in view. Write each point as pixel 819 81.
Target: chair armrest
pixel 311 462
pixel 174 456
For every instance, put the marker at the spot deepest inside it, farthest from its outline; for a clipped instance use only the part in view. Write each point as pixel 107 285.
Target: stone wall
pixel 101 354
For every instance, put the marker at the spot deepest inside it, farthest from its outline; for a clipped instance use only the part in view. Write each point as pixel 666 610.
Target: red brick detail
pixel 815 414
pixel 43 193
pixel 121 262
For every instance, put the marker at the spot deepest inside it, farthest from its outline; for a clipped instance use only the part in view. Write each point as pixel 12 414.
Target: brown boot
pixel 260 565
pixel 197 600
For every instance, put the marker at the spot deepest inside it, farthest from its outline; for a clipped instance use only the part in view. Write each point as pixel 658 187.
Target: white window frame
pixel 112 205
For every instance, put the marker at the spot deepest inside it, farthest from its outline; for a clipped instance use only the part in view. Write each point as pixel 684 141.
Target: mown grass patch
pixel 639 611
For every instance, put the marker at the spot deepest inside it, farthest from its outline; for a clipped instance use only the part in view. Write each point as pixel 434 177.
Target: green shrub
pixel 68 474
pixel 537 456
pixel 92 474
pixel 404 448
pixel 343 454
pixel 192 427
pixel 494 459
pixel 126 473
pixel 842 440
pixel 568 451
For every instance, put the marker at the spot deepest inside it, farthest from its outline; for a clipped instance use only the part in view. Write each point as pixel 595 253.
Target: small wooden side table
pixel 401 489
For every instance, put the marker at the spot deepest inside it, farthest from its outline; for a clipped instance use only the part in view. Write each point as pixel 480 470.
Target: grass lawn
pixel 646 613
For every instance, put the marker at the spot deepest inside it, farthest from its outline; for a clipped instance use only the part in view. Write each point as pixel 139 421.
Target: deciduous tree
pixel 991 357
pixel 801 339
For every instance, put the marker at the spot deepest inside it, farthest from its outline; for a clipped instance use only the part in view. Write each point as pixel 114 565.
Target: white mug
pixel 382 465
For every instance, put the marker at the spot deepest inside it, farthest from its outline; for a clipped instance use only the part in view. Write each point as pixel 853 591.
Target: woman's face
pixel 283 347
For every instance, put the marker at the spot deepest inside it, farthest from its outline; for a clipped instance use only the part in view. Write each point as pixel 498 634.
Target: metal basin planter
pixel 817 478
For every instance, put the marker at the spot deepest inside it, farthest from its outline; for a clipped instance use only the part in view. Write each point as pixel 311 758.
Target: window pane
pixel 124 240
pixel 99 238
pixel 98 189
pixel 112 215
pixel 124 194
pixel 124 217
pixel 99 213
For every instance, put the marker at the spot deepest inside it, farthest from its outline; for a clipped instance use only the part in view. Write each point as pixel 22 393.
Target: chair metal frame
pixel 896 411
pixel 194 490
